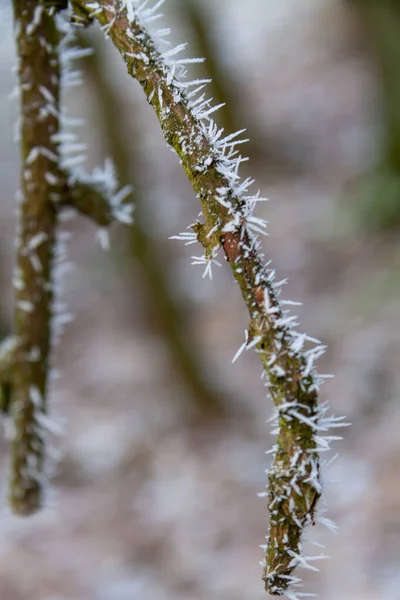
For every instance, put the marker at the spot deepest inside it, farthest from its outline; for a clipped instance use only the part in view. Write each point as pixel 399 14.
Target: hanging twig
pixel 211 163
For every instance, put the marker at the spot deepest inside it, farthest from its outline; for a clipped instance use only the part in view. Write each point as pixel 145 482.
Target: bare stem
pixel 89 202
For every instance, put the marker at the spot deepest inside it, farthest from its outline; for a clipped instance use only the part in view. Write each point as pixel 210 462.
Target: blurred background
pixel 164 450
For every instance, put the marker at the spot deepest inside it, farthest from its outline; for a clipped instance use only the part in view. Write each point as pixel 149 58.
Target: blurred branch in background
pixel 49 182
pixel 202 41
pixel 26 356
pixel 223 88
pixel 379 206
pixel 165 310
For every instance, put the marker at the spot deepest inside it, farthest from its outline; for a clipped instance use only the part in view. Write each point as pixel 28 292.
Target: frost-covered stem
pixel 90 202
pixel 39 79
pixel 46 187
pixel 294 485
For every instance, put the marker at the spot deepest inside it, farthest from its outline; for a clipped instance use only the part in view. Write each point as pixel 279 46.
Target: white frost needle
pixel 189 61
pixel 189 237
pixel 174 51
pixel 204 260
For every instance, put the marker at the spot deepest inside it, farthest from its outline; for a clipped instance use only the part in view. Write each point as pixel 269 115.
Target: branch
pixel 46 186
pixel 39 75
pixel 211 163
pixel 96 196
pixel 377 198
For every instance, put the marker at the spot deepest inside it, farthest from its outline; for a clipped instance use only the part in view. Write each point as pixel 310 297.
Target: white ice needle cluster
pixel 211 159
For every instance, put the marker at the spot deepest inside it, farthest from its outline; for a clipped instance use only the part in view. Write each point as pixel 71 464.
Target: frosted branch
pixel 48 182
pixel 211 163
pixel 39 76
pixel 90 203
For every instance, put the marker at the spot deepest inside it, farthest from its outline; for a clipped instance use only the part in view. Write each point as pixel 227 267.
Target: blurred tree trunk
pixel 381 21
pixel 202 41
pixel 268 153
pixel 163 307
